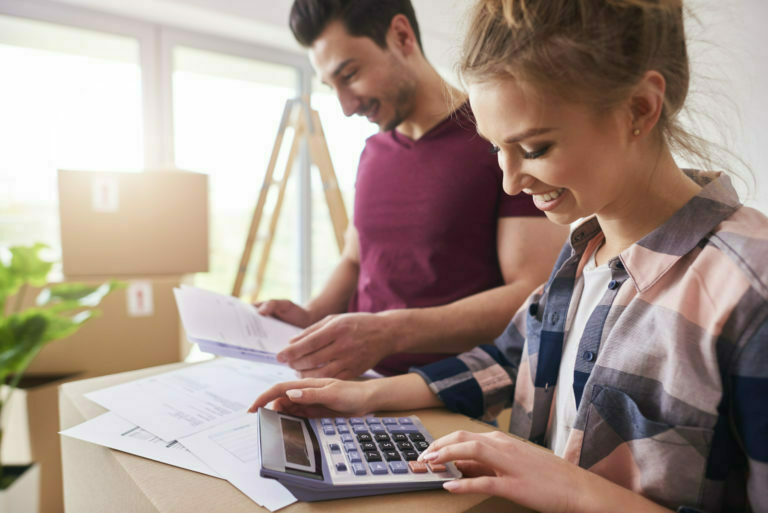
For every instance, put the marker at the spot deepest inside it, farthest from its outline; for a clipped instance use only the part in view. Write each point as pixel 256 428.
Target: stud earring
pixel 636 131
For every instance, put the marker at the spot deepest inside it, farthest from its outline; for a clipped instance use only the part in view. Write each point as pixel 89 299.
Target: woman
pixel 642 362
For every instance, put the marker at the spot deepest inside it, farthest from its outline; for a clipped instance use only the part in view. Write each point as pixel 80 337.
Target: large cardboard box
pixel 97 478
pixel 139 327
pixel 30 434
pixel 133 224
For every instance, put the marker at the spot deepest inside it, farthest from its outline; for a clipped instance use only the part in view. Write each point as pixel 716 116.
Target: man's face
pixel 369 81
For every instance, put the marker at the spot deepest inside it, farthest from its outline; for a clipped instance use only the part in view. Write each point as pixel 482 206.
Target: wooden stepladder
pixel 305 123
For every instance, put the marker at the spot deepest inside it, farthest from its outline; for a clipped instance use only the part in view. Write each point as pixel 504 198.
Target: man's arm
pixel 527 249
pixel 332 299
pixel 346 345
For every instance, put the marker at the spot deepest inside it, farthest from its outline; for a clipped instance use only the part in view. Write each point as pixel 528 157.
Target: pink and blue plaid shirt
pixel 671 379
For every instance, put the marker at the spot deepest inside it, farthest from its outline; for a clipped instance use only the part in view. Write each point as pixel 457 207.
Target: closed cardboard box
pixel 96 478
pixel 133 224
pixel 138 327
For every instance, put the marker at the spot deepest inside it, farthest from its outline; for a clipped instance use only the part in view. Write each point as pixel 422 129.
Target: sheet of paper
pixel 114 432
pixel 179 403
pixel 232 450
pixel 224 319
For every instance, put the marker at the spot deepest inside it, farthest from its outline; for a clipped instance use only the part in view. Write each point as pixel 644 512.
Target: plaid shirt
pixel 671 381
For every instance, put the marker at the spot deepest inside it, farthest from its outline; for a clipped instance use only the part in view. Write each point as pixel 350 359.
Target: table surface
pixel 172 489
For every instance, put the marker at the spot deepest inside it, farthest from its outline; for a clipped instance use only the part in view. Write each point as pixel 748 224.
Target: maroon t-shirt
pixel 426 212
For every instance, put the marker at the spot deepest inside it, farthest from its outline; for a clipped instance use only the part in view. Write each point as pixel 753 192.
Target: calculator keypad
pixel 378 446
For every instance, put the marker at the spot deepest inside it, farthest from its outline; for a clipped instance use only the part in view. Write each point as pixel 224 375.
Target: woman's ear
pixel 400 36
pixel 647 103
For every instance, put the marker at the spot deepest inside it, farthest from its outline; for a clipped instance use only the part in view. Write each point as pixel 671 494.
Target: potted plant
pixel 59 311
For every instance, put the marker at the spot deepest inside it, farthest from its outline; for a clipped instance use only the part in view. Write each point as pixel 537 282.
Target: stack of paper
pixel 194 418
pixel 226 326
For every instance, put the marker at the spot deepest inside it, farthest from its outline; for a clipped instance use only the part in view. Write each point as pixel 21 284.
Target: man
pixel 438 258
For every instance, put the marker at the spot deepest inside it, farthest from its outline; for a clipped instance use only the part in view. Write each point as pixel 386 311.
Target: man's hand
pixel 341 346
pixel 285 310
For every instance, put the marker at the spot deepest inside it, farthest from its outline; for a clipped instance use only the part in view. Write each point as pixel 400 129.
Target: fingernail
pixel 293 394
pixel 429 456
pixel 451 485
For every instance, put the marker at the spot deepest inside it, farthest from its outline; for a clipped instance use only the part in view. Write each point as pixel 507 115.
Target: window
pixel 70 99
pixel 346 139
pixel 226 112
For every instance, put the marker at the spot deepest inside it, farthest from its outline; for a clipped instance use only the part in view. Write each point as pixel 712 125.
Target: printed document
pixel 232 450
pixel 179 403
pixel 227 326
pixel 114 432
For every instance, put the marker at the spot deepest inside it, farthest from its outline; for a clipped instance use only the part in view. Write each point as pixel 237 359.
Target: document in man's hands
pixel 226 326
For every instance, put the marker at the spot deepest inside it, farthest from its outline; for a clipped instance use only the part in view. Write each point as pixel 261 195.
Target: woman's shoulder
pixel 742 238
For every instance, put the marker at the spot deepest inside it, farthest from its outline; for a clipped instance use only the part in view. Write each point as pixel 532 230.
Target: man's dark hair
pixel 361 18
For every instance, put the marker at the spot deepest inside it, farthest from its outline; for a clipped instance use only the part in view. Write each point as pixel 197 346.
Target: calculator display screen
pixel 300 447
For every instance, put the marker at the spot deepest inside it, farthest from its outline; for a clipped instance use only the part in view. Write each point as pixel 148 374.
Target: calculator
pixel 334 458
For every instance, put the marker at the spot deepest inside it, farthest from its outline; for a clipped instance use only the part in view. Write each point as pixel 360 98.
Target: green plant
pixel 59 311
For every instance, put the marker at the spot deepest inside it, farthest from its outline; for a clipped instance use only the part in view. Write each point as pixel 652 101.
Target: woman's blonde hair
pixel 587 51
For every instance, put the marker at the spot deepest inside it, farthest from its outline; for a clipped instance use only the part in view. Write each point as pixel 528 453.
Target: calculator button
pixel 437 467
pixel 358 469
pixel 386 446
pixel 391 455
pixel 421 446
pixel 354 456
pixel 360 428
pixel 341 467
pixel 418 467
pixel 377 429
pixel 389 420
pixel 372 456
pixel 368 446
pixel 364 437
pixel 341 420
pixel 382 437
pixel 410 455
pixel 378 467
pixel 334 447
pixel 342 428
pixel 347 438
pixel 398 467
pixel 405 421
pixel 416 437
pixel 326 422
pixel 372 420
pixel 328 430
pixel 399 437
pixel 350 446
pixel 356 420
pixel 404 446
pixel 401 429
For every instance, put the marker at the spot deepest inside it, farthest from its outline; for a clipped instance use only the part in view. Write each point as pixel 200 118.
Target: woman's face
pixel 573 162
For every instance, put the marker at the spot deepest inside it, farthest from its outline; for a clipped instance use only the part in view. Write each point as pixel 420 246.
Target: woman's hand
pixel 317 397
pixel 498 464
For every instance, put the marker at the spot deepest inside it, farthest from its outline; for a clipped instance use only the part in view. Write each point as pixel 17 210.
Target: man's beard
pixel 402 105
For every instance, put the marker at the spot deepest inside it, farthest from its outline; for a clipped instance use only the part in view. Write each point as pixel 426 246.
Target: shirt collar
pixel 647 260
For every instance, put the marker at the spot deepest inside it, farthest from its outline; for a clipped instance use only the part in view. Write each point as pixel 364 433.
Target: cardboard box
pixel 97 478
pixel 139 327
pixel 133 224
pixel 30 434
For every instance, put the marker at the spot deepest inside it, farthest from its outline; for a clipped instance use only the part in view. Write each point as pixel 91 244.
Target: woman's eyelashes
pixel 533 154
pixel 537 153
